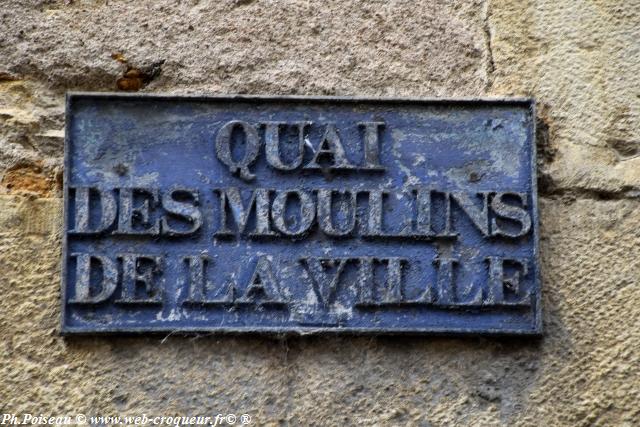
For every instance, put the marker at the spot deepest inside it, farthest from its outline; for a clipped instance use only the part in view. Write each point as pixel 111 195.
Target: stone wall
pixel 581 61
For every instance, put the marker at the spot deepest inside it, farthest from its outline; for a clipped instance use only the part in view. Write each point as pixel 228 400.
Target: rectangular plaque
pixel 300 215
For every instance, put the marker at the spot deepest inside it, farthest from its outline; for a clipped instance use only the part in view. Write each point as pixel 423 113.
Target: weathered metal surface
pixel 300 215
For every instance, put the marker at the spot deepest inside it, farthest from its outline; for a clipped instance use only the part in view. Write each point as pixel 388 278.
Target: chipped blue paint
pixel 160 142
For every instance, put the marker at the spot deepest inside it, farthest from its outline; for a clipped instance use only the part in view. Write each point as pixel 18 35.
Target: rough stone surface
pixel 578 58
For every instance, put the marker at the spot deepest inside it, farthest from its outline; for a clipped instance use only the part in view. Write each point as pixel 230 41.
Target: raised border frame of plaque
pixel 471 162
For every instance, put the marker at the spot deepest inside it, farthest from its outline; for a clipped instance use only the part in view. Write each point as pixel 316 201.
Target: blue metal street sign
pixel 299 215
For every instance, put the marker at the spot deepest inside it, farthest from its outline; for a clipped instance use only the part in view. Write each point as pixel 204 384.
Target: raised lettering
pixel 82 213
pixel 423 209
pixel 272 144
pixel 479 216
pixel 284 221
pixel 85 264
pixel 263 287
pixel 224 150
pixel 500 285
pixel 199 286
pixel 330 146
pixel 371 145
pixel 325 285
pixel 347 209
pixel 375 219
pixel 445 288
pixel 185 211
pixel 136 220
pixel 137 270
pixel 231 199
pixel 510 213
